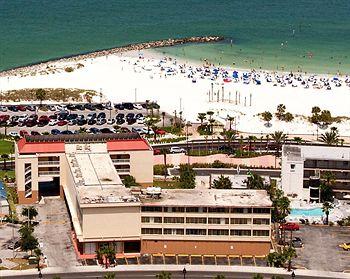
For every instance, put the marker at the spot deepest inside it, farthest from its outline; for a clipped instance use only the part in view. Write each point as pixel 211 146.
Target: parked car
pixel 289 226
pixel 23 133
pixel 81 122
pixel 35 133
pixel 94 130
pixel 14 245
pixel 120 121
pixel 147 131
pixel 51 107
pixel 31 108
pixel 297 242
pixel 62 123
pixel 138 106
pixel 128 106
pixel 101 121
pixel 176 149
pixel 80 107
pixel 66 132
pixel 91 115
pixel 110 121
pixel 345 246
pixel 3 108
pixel 21 108
pixel 160 132
pixel 108 130
pixel 101 115
pixel 157 152
pixel 53 122
pixel 55 132
pixel 119 106
pixel 14 134
pixel 120 115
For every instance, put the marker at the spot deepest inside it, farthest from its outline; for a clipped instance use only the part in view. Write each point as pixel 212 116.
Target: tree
pixel 267 117
pixel 288 117
pixel 201 117
pixel 109 275
pixel 328 179
pixel 281 109
pixel 255 181
pixel 129 181
pixel 163 118
pixel 25 230
pixel 29 212
pixel 223 182
pixel 230 136
pixel 163 275
pixel 278 137
pixel 5 157
pixel 315 110
pixel 187 177
pixel 40 94
pixel 330 138
pixel 257 276
pixel 211 125
pixel 289 254
pixel 325 118
pixel 28 242
pixel 326 207
pixel 298 140
pixel 230 120
pixel 220 276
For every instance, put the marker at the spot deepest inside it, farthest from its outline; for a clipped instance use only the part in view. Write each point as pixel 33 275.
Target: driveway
pixel 53 232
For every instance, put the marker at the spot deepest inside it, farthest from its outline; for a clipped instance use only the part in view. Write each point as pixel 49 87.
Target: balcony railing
pixel 48 173
pixel 27 169
pixel 120 160
pixel 48 163
pixel 123 170
pixel 28 193
pixel 27 179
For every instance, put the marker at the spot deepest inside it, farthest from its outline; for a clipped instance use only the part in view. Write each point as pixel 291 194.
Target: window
pixel 218 232
pixel 174 231
pixel 192 209
pixel 145 219
pixel 195 220
pixel 151 231
pixel 174 220
pixel 157 219
pixel 213 220
pixel 241 232
pixel 218 210
pixel 292 166
pixel 196 231
pixel 261 221
pixel 241 210
pixel 174 209
pixel 261 233
pixel 241 221
pixel 151 209
pixel 261 210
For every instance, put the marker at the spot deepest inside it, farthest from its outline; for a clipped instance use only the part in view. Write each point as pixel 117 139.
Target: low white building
pixel 303 167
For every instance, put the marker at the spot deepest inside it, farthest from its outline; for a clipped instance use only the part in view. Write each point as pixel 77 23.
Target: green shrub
pixel 69 69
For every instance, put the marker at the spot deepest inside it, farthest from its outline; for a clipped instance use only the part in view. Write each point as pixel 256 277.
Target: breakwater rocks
pixel 35 67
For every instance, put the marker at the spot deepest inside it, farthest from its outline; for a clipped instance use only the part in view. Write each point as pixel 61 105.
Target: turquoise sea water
pixel 35 30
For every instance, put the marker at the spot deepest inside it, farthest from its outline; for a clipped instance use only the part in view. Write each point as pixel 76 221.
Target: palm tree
pixel 201 117
pixel 279 137
pixel 163 117
pixel 267 116
pixel 330 138
pixel 163 275
pixel 223 182
pixel 281 109
pixel 5 157
pixel 230 136
pixel 40 95
pixel 230 120
pixel 164 152
pixel 109 275
pixel 211 123
pixel 29 212
pixel 289 254
pixel 326 207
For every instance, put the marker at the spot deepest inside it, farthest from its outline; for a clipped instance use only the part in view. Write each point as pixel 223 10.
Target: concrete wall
pixel 205 247
pixel 112 222
pixel 292 178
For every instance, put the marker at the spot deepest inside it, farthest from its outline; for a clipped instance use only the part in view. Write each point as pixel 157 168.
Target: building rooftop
pixel 300 152
pixel 94 175
pixel 56 144
pixel 211 197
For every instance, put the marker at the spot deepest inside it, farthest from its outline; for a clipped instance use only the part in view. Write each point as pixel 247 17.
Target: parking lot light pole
pixel 184 271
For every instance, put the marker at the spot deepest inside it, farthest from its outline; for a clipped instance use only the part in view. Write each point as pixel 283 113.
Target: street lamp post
pixel 184 271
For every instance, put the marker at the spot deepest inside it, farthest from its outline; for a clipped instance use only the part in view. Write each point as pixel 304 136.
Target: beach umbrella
pixel 235 74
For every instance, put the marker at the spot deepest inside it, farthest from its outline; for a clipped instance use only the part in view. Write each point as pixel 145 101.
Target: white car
pixel 3 108
pixel 110 121
pixel 14 134
pixel 147 132
pixel 176 149
pixel 53 122
pixel 138 106
pixel 141 120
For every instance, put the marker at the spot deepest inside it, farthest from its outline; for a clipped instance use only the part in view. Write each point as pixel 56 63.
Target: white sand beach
pixel 128 77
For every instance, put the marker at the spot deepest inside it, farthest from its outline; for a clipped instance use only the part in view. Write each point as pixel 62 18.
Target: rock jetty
pixel 24 70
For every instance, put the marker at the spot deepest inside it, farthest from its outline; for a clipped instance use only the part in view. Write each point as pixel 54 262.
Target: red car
pixel 44 118
pixel 290 226
pixel 160 132
pixel 23 133
pixel 156 152
pixel 62 123
pixel 21 108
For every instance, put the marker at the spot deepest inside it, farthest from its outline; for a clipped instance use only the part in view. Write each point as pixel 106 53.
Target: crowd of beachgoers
pixel 196 86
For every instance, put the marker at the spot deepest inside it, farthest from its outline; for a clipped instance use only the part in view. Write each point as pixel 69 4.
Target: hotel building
pixel 138 220
pixel 303 168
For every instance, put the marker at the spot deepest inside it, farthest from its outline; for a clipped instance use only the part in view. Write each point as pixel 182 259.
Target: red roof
pixel 25 147
pixel 122 145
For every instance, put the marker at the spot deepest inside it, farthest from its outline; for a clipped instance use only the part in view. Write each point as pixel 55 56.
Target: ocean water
pixel 306 35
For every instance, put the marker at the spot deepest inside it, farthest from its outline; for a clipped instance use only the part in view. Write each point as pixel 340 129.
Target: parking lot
pixel 6 232
pixel 321 251
pixel 21 120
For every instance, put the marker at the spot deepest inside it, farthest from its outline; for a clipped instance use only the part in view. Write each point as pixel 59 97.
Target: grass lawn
pixel 8 173
pixel 6 147
pixel 169 184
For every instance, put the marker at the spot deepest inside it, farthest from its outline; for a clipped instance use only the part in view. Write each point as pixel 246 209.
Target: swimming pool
pixel 311 212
